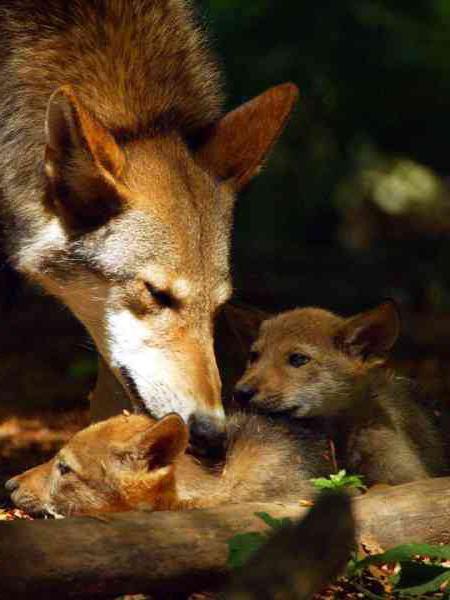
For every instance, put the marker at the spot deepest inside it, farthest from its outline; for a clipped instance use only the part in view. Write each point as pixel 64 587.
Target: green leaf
pixel 413 574
pixel 404 553
pixel 338 476
pixel 272 522
pixel 83 368
pixel 430 586
pixel 338 481
pixel 322 484
pixel 242 546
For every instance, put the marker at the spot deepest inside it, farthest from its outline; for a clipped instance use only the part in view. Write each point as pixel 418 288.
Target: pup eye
pixel 63 468
pixel 253 356
pixel 298 360
pixel 162 298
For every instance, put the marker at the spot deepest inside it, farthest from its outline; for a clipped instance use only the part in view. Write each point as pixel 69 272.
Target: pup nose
pixel 207 435
pixel 12 484
pixel 244 393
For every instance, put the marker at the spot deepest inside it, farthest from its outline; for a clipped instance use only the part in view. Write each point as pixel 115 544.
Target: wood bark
pixel 172 552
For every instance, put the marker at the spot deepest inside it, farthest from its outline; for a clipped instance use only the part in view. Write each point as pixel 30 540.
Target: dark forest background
pixel 353 205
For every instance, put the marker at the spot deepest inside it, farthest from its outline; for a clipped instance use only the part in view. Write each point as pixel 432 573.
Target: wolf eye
pixel 298 360
pixel 161 297
pixel 63 468
pixel 253 356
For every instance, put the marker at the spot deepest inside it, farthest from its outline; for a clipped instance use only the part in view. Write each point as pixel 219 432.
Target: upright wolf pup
pixel 118 175
pixel 131 462
pixel 310 363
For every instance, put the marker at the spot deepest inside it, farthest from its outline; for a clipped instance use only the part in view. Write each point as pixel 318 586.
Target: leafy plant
pixel 83 368
pixel 243 545
pixel 337 481
pixel 273 522
pixel 414 578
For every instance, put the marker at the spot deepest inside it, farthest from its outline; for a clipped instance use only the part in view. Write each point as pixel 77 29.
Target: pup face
pixel 121 464
pixel 310 362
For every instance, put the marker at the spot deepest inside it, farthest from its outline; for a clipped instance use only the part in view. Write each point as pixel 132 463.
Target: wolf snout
pixel 244 393
pixel 206 434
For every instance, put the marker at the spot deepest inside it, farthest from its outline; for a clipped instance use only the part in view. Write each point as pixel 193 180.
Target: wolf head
pixel 123 463
pixel 310 362
pixel 136 241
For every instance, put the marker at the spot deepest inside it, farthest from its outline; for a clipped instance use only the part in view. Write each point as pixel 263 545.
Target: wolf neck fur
pixel 380 385
pixel 384 400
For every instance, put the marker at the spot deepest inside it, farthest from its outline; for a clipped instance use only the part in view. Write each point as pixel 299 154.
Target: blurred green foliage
pixel 372 74
pixel 83 368
pixel 339 481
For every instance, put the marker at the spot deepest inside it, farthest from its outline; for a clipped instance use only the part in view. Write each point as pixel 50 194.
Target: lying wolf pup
pixel 312 363
pixel 133 462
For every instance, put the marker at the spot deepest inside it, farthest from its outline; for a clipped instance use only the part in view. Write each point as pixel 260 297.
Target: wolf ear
pixel 82 162
pixel 164 441
pixel 234 148
pixel 371 333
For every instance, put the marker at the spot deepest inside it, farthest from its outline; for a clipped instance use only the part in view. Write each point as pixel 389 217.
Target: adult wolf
pixel 118 173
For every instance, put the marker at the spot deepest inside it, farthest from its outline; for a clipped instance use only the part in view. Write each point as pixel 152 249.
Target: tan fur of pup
pixel 309 363
pixel 132 462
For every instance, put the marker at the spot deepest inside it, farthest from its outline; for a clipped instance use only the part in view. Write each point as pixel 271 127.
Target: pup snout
pixel 207 434
pixel 12 484
pixel 244 393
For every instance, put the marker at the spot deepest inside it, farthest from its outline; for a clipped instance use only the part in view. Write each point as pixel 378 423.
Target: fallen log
pixel 300 559
pixel 169 552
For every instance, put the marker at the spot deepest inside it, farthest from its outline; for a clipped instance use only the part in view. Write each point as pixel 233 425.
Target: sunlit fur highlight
pixel 133 462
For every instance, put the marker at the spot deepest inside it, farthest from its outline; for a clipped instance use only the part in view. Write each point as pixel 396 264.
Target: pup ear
pixel 370 333
pixel 82 163
pixel 165 441
pixel 234 148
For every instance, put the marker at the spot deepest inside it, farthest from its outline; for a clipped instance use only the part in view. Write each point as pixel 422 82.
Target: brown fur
pixel 118 174
pixel 380 430
pixel 131 462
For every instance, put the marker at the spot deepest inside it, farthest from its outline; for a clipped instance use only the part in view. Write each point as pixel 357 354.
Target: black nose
pixel 12 484
pixel 244 393
pixel 207 435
